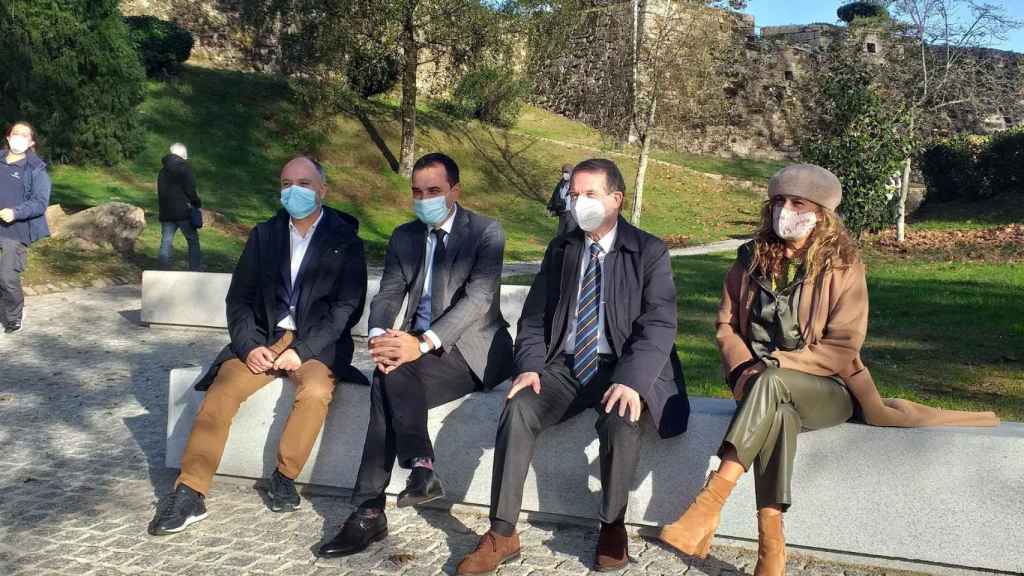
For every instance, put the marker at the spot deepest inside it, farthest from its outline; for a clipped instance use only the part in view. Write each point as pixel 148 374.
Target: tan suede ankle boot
pixel 692 533
pixel 771 545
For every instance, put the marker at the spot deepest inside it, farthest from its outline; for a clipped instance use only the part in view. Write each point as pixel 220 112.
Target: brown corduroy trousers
pixel 234 383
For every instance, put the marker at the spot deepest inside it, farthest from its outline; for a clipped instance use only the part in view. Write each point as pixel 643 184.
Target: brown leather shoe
pixel 771 545
pixel 612 548
pixel 692 533
pixel 492 551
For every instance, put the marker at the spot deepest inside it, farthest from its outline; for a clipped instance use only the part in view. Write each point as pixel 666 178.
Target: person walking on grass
pixel 24 197
pixel 176 192
pixel 792 320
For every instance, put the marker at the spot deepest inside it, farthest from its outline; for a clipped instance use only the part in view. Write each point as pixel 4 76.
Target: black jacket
pixel 176 189
pixel 640 319
pixel 331 297
pixel 556 205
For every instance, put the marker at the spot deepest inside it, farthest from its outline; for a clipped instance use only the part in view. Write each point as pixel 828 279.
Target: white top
pixel 564 193
pixel 425 298
pixel 299 244
pixel 606 243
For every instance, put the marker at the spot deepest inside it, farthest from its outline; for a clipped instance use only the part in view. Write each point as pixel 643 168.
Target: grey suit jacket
pixel 471 300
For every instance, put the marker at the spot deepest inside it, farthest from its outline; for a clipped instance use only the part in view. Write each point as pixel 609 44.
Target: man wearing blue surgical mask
pixel 452 340
pixel 297 291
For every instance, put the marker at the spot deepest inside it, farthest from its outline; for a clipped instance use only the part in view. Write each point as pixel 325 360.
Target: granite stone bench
pixel 949 496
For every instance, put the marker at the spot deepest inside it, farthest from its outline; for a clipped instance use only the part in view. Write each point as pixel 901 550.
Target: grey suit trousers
pixel 528 414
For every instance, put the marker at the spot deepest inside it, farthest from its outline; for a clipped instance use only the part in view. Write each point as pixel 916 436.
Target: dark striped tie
pixel 587 314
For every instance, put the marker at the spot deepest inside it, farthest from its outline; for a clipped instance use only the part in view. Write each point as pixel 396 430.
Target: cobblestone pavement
pixel 82 419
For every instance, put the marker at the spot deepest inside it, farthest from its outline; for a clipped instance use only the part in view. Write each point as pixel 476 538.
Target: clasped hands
pixel 7 215
pixel 262 359
pixel 627 399
pixel 394 348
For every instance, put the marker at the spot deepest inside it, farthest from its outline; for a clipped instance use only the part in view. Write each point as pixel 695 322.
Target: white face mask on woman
pixel 19 144
pixel 792 225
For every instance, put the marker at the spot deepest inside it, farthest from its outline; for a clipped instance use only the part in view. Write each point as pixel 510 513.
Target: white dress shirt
pixel 606 242
pixel 299 244
pixel 425 298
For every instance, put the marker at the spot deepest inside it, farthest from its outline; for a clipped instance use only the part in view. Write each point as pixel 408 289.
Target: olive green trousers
pixel 777 405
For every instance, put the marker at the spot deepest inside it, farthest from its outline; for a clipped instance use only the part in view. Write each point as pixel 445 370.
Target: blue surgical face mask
pixel 298 201
pixel 432 211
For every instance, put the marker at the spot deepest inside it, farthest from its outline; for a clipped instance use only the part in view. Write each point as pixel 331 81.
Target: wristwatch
pixel 424 345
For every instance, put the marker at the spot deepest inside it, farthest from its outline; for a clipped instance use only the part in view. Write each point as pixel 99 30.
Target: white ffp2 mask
pixel 588 212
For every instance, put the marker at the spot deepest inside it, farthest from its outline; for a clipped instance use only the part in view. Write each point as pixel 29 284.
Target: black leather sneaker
pixel 362 528
pixel 183 508
pixel 12 326
pixel 282 494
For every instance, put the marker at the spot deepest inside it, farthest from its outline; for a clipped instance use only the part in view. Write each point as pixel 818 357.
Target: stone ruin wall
pixel 587 83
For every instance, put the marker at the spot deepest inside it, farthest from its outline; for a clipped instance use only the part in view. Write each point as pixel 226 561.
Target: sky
pixel 778 12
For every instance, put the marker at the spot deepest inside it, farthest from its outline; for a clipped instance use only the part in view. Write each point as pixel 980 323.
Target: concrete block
pixel 951 496
pixel 197 299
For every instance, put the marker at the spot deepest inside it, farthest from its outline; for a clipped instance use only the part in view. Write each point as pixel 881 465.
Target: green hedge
pixel 163 46
pixel 69 68
pixel 491 95
pixel 974 168
pixel 850 12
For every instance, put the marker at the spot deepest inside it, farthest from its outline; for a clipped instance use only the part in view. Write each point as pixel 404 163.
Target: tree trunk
pixel 407 155
pixel 641 170
pixel 901 215
pixel 901 218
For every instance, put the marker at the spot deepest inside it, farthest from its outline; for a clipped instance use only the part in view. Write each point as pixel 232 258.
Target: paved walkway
pixel 82 419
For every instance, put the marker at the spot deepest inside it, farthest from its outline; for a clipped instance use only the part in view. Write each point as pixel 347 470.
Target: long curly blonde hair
pixel 829 246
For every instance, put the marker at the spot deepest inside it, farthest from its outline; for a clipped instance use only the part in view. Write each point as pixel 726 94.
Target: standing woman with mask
pixel 24 196
pixel 793 318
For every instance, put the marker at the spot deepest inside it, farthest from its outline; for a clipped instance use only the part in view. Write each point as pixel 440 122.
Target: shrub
pixel 69 67
pixel 163 46
pixel 1001 164
pixel 373 70
pixel 858 134
pixel 491 95
pixel 850 12
pixel 950 169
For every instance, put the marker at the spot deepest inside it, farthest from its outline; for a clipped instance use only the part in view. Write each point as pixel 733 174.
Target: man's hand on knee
pixel 393 349
pixel 288 361
pixel 260 360
pixel 525 380
pixel 627 399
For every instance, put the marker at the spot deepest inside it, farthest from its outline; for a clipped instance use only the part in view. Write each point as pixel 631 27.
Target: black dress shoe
pixel 183 508
pixel 422 487
pixel 360 530
pixel 282 494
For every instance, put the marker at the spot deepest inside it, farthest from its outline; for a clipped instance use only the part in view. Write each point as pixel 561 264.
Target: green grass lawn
pixel 240 128
pixel 960 215
pixel 948 334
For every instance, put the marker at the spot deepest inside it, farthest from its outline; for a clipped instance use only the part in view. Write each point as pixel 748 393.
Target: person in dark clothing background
pixel 559 206
pixel 176 189
pixel 24 196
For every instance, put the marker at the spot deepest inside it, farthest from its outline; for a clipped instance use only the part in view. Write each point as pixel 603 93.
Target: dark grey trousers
pixel 561 397
pixel 13 259
pixel 775 408
pixel 398 418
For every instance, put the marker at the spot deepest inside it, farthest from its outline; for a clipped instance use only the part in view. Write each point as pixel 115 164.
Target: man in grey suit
pixel 453 341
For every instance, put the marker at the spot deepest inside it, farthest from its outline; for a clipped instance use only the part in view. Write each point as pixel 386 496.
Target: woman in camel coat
pixel 790 327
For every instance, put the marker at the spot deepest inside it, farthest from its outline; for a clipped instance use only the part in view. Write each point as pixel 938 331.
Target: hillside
pixel 240 128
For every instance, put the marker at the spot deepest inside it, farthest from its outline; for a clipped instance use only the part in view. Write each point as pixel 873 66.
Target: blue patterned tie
pixel 587 314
